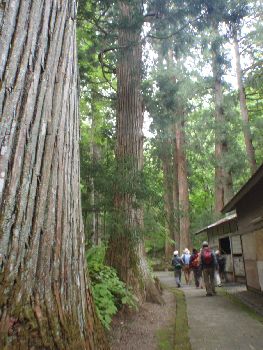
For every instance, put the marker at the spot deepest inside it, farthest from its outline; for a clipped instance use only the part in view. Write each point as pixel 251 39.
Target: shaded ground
pixel 221 322
pixel 148 329
pixel 251 299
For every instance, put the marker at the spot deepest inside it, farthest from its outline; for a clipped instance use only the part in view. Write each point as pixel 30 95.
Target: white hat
pixel 176 252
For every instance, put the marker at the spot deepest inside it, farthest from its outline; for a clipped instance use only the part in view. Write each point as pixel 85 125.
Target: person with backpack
pixel 178 264
pixel 186 260
pixel 194 265
pixel 208 266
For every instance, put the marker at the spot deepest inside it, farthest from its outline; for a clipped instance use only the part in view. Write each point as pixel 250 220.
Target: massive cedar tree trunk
pixel 183 189
pixel 223 177
pixel 45 302
pixel 243 108
pixel 125 248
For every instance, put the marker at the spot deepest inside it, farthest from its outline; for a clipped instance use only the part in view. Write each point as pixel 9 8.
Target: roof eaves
pixel 254 179
pixel 228 218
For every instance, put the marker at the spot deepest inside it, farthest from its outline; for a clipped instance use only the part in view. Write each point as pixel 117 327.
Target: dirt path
pixel 152 328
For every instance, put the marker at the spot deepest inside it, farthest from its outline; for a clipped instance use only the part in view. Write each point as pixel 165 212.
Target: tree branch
pixel 255 65
pixel 101 59
pixel 176 32
pixel 152 15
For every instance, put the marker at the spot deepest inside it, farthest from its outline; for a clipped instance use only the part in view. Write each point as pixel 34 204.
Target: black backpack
pixel 177 263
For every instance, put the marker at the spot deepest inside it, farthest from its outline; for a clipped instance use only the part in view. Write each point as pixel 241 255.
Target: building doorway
pixel 224 245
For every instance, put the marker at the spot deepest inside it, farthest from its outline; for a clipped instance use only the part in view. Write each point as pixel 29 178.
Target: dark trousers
pixel 209 275
pixel 178 275
pixel 197 275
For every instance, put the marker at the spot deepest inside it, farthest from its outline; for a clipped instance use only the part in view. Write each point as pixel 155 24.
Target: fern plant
pixel 109 292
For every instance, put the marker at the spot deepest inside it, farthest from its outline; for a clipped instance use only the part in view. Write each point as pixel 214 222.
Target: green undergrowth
pixel 175 336
pixel 165 338
pixel 240 304
pixel 109 292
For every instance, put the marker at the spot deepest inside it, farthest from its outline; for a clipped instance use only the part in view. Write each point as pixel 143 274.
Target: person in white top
pixel 186 260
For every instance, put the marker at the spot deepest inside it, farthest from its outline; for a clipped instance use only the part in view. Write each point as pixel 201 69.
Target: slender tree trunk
pixel 125 248
pixel 96 224
pixel 176 192
pixel 95 157
pixel 223 177
pixel 243 108
pixel 174 156
pixel 45 302
pixel 219 187
pixel 168 177
pixel 185 241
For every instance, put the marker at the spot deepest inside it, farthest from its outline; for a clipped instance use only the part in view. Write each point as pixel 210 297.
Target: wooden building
pixel 248 203
pixel 224 235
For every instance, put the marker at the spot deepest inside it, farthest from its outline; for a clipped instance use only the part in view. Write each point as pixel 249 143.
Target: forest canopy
pixel 201 87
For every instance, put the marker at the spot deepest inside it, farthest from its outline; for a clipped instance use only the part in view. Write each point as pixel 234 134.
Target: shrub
pixel 109 292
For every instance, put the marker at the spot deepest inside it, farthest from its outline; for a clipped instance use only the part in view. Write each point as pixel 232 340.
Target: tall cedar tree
pixel 238 11
pixel 169 120
pixel 166 157
pixel 167 152
pixel 95 96
pixel 223 177
pixel 125 247
pixel 181 186
pixel 243 107
pixel 45 300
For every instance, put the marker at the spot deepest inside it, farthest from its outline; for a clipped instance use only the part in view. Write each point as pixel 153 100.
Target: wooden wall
pixel 249 209
pixel 253 256
pixel 250 225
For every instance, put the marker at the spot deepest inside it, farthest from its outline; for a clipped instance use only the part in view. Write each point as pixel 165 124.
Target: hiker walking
pixel 195 267
pixel 200 269
pixel 208 266
pixel 186 260
pixel 177 263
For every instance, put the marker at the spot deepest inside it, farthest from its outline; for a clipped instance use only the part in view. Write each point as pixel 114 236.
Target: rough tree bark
pixel 243 108
pixel 175 222
pixel 185 241
pixel 45 302
pixel 223 177
pixel 125 248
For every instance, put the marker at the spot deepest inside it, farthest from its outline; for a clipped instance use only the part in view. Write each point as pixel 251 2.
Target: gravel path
pixel 216 323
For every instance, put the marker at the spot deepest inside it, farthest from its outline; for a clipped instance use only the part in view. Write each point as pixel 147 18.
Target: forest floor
pixel 152 328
